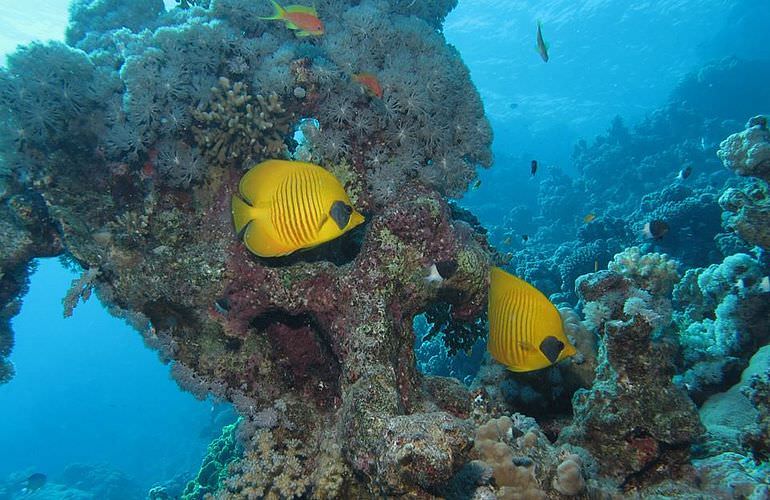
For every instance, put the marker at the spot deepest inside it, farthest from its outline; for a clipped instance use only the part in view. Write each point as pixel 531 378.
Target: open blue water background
pixel 87 390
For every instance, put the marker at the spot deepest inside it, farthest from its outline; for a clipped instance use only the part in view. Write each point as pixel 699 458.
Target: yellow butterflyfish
pixel 525 329
pixel 284 206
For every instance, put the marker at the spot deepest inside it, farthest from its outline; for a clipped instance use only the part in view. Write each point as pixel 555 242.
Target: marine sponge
pixel 240 128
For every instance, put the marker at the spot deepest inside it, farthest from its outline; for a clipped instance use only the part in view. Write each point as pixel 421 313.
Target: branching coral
pixel 237 127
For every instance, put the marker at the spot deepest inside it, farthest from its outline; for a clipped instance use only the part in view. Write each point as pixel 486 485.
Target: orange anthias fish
pixel 370 83
pixel 304 20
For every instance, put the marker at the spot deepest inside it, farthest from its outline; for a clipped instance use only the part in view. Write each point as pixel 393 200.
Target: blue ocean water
pixel 87 391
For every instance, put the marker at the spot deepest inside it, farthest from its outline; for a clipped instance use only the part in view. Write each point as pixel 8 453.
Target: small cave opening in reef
pixel 447 347
pixel 304 353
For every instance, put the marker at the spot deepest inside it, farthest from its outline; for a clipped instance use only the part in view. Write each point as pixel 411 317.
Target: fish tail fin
pixel 278 12
pixel 243 213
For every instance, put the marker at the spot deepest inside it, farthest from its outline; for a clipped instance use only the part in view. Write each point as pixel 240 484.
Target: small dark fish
pixel 513 105
pixel 524 237
pixel 655 229
pixel 542 47
pixel 35 482
pixel 447 268
pixel 684 173
pixel 533 167
pixel 476 184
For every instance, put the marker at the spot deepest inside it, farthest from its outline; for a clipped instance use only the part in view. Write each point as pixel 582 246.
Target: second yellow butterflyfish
pixel 525 329
pixel 284 206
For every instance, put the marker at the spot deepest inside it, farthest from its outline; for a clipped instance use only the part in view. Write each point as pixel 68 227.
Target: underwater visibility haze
pixel 384 249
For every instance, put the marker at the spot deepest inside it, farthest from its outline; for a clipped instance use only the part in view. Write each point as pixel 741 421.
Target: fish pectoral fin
pixel 322 222
pixel 303 33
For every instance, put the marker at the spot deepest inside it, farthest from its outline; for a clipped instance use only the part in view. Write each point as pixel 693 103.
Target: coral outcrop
pixel 162 112
pixel 633 419
pixel 722 313
pixel 747 207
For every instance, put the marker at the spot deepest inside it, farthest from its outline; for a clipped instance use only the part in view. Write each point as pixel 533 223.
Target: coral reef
pixel 161 112
pixel 757 391
pixel 722 315
pixel 221 452
pixel 633 419
pixel 747 153
pixel 629 176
